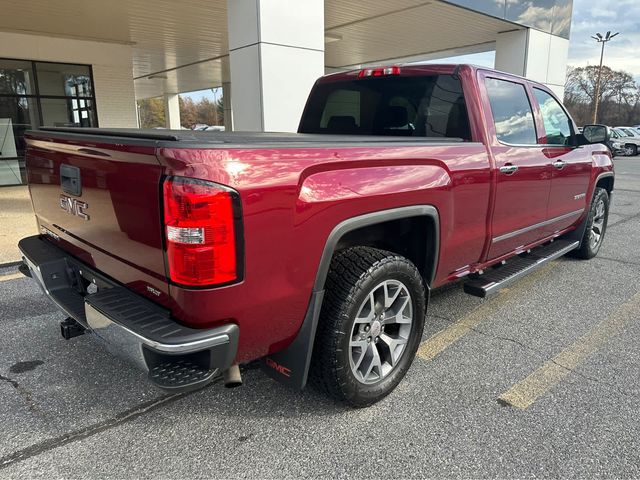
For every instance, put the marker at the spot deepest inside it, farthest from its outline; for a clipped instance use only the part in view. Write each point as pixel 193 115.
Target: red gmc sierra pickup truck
pixel 315 252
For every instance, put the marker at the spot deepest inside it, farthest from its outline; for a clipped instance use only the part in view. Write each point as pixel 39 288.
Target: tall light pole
pixel 600 39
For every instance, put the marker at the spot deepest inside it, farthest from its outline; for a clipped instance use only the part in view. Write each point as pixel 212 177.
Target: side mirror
pixel 596 133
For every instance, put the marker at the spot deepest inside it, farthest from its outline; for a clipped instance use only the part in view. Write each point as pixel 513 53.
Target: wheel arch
pixel 291 365
pixel 606 181
pixel 603 180
pixel 377 230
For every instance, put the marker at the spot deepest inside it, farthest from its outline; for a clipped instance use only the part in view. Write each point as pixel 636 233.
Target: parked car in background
pixel 616 144
pixel 630 131
pixel 631 144
pixel 214 128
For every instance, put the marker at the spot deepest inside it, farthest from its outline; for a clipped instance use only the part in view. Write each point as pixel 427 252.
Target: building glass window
pixel 512 112
pixel 537 14
pixel 39 94
pixel 550 16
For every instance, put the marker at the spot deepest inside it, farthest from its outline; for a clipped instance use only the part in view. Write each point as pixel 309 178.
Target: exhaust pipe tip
pixel 232 377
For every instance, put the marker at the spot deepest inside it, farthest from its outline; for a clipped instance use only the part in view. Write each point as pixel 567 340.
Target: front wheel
pixel 631 149
pixel 596 225
pixel 370 325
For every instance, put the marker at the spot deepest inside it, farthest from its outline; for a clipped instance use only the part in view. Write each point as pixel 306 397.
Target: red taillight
pixel 379 72
pixel 200 232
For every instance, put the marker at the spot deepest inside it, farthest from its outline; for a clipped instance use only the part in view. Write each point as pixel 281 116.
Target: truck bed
pixel 294 189
pixel 200 139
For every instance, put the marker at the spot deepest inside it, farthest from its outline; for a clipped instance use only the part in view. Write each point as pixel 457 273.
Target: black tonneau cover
pixel 191 138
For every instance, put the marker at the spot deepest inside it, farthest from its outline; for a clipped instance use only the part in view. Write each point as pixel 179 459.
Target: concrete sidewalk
pixel 16 221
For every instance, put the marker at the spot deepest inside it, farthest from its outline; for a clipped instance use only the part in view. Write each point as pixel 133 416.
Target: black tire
pixel 590 247
pixel 633 148
pixel 354 274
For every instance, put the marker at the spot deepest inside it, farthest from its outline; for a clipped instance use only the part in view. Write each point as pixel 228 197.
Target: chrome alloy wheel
pixel 380 332
pixel 597 227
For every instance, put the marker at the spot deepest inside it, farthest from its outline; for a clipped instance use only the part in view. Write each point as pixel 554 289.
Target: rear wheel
pixel 370 325
pixel 596 225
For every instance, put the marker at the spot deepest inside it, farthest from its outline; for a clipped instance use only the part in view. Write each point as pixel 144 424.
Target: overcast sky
pixel 590 17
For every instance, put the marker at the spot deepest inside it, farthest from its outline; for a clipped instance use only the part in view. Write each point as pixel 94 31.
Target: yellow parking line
pixel 525 393
pixel 434 345
pixel 11 276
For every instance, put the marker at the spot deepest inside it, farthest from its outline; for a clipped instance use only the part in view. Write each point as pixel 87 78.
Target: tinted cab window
pixel 557 125
pixel 511 110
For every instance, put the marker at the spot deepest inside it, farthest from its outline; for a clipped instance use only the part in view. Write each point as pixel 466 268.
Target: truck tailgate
pixel 100 201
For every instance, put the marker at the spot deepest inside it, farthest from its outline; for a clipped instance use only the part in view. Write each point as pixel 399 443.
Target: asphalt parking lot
pixel 539 381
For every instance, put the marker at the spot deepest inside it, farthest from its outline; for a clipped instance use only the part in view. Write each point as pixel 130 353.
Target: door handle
pixel 559 164
pixel 509 169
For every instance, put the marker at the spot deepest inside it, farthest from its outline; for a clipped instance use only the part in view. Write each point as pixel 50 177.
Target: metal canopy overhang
pixel 182 46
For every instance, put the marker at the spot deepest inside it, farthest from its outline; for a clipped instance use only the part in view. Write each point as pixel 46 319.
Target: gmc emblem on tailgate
pixel 73 207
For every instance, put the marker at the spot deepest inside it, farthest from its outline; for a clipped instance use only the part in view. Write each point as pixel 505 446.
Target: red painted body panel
pixel 521 198
pixel 293 197
pixel 288 217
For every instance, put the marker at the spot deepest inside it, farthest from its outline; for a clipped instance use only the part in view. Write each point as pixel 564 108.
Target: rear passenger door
pixel 571 165
pixel 522 171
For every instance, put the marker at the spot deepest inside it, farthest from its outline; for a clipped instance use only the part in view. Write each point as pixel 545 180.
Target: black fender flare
pixel 291 365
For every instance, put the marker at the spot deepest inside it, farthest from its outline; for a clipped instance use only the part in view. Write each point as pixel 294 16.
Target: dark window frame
pixel 37 121
pixel 36 88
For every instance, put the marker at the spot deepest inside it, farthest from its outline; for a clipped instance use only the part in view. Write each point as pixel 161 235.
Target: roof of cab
pixel 422 69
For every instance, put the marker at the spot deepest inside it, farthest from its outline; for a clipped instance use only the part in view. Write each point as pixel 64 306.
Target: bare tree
pixel 619 95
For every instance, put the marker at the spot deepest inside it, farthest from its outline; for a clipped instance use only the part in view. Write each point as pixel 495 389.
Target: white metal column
pixel 276 50
pixel 172 111
pixel 534 54
pixel 226 102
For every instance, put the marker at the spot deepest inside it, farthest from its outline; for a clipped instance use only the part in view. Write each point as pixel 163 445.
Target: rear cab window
pixel 411 106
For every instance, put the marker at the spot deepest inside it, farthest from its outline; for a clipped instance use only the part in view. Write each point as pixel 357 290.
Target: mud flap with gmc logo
pixel 291 365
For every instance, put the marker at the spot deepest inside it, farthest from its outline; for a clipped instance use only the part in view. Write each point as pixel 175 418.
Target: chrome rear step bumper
pixel 176 357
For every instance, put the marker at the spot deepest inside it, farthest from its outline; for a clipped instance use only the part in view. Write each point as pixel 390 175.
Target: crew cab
pixel 314 253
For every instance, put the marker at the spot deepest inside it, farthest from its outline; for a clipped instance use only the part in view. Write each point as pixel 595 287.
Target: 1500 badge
pixel 74 207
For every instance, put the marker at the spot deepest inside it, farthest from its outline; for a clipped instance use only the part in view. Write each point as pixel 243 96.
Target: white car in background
pixel 625 140
pixel 631 131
